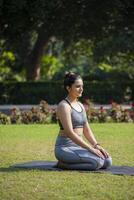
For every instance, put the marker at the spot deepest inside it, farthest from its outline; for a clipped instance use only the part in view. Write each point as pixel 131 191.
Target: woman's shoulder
pixel 63 105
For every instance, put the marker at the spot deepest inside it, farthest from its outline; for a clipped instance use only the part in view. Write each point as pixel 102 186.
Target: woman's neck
pixel 71 99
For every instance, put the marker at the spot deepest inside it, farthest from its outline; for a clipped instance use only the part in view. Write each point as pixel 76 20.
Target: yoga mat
pixel 51 165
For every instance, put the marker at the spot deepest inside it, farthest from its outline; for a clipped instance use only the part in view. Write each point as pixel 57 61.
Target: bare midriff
pixel 78 131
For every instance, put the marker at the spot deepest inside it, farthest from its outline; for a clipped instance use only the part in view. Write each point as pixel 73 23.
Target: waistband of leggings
pixel 64 141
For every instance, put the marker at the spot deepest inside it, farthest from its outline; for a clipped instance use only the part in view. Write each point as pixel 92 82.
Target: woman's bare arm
pixel 89 134
pixel 92 140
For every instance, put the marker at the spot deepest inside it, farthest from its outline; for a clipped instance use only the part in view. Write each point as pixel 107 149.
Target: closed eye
pixel 79 86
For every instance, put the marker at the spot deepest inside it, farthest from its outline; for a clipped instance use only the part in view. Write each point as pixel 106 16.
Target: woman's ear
pixel 68 88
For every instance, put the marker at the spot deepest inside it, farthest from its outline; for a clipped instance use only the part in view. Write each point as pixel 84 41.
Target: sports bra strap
pixel 72 106
pixel 68 102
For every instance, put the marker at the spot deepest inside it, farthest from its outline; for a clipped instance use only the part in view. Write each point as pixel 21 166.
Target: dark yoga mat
pixel 51 165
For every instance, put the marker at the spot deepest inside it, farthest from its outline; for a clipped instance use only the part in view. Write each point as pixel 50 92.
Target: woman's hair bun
pixel 67 74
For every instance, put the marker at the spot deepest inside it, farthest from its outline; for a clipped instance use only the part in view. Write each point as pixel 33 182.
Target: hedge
pixel 53 91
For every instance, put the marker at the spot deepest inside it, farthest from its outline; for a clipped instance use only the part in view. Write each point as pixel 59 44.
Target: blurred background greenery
pixel 40 40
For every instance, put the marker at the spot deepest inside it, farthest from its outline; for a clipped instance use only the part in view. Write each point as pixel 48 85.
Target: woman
pixel 71 150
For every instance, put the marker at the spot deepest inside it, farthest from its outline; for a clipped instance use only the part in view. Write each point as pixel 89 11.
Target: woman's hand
pixel 103 151
pixel 97 152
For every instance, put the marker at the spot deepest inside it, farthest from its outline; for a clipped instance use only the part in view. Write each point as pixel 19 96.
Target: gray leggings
pixel 76 157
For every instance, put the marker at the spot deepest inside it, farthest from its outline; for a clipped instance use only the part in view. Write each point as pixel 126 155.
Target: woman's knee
pixel 100 163
pixel 107 163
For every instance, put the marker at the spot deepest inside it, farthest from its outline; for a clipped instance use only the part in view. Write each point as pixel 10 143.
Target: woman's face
pixel 76 89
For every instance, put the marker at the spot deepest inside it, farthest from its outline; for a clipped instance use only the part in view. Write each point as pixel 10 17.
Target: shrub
pixel 4 119
pixel 44 114
pixel 15 116
pixel 115 114
pixel 33 92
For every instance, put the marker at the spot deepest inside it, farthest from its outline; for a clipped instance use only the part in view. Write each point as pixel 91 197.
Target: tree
pixel 27 26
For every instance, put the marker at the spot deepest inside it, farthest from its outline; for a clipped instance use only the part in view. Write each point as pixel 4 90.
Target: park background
pixel 39 42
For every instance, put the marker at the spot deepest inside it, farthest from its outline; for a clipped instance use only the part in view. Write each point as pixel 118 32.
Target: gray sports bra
pixel 78 118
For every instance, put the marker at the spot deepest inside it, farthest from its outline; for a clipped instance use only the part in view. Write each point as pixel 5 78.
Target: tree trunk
pixel 33 68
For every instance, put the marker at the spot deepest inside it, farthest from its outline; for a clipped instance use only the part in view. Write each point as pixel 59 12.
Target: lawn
pixel 22 143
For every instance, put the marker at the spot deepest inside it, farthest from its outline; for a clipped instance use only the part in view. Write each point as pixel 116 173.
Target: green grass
pixel 22 143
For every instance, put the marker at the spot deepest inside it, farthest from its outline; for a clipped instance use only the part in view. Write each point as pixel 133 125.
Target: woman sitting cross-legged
pixel 71 150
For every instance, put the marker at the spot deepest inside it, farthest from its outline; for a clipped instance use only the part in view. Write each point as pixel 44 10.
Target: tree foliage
pixel 27 27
